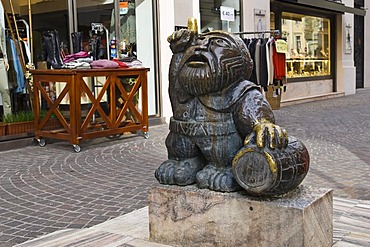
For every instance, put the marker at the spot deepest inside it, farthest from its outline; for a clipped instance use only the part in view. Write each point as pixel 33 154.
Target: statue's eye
pixel 221 43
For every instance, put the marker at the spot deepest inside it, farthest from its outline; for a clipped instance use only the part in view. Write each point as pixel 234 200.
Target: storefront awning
pixel 329 5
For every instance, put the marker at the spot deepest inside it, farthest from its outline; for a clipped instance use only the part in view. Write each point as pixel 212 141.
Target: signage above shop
pixel 333 6
pixel 227 13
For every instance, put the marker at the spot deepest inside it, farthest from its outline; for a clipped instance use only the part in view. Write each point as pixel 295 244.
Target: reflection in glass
pixel 210 16
pixel 308 40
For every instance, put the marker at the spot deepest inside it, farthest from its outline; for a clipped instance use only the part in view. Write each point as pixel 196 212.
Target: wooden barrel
pixel 266 171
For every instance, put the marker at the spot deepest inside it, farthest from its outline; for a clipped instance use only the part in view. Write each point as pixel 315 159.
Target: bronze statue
pixel 223 134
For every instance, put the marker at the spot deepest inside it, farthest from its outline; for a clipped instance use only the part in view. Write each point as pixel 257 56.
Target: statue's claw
pixel 219 180
pixel 178 172
pixel 164 173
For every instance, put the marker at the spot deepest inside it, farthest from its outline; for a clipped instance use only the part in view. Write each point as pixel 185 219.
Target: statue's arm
pixel 255 121
pixel 179 42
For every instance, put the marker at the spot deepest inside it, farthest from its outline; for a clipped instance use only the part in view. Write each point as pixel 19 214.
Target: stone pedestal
pixel 188 216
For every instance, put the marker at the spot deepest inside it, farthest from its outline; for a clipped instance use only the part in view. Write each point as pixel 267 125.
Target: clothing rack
pixel 274 32
pixel 27 29
pixel 268 65
pixel 7 30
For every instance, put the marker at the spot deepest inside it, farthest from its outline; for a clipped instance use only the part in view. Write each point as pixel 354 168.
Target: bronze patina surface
pixel 223 135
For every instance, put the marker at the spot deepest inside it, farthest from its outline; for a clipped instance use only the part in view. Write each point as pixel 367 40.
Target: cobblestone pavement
pixel 337 135
pixel 45 189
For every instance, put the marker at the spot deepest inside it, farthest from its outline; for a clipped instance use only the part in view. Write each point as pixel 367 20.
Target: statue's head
pixel 214 61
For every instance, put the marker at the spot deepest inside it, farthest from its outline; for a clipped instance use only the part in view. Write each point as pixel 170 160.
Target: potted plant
pixel 2 129
pixel 24 122
pixel 21 122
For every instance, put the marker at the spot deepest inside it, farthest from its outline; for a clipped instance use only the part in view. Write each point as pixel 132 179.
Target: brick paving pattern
pixel 336 134
pixel 45 189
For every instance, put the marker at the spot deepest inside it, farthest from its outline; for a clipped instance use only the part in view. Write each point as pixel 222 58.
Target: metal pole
pixel 30 41
pixel 18 44
pixel 13 37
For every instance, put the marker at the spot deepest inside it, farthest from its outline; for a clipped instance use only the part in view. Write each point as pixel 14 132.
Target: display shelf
pixel 307 67
pixel 113 121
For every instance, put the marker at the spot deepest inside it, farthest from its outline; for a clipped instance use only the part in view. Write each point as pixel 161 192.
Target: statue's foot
pixel 215 179
pixel 179 172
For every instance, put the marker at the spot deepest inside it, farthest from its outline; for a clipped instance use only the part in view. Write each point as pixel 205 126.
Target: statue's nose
pixel 203 44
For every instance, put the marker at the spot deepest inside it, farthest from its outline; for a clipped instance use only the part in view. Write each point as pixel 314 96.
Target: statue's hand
pixel 180 40
pixel 268 134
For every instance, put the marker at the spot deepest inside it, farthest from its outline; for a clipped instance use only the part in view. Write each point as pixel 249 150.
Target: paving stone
pixel 46 184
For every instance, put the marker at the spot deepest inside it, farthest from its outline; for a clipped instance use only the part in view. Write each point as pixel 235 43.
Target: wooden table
pixel 74 126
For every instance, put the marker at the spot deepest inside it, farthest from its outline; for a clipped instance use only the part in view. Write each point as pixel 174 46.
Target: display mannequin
pixel 4 86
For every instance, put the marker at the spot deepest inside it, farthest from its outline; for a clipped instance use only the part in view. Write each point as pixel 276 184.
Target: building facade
pixel 326 40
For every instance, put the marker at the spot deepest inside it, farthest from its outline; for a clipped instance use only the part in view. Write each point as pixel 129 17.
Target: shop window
pixel 211 15
pixel 126 39
pixel 308 39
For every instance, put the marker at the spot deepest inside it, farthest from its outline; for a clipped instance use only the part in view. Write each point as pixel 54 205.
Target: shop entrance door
pixel 72 16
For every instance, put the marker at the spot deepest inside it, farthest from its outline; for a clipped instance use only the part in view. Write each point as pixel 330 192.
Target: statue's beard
pixel 197 80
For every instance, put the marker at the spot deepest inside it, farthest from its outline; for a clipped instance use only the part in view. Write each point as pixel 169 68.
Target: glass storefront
pixel 121 29
pixel 308 39
pixel 220 15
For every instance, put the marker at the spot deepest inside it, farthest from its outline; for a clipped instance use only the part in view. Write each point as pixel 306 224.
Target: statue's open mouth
pixel 197 61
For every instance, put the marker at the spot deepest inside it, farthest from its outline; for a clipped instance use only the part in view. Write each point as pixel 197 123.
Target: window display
pixel 211 17
pixel 126 42
pixel 308 39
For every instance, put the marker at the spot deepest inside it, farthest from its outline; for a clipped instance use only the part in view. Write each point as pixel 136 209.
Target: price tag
pixel 227 13
pixel 281 46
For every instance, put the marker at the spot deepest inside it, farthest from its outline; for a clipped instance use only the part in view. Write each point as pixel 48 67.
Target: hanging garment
pixel 12 76
pixel 4 84
pixel 246 42
pixel 4 88
pixel 252 50
pixel 17 67
pixel 257 56
pixel 270 64
pixel 279 60
pixel 26 52
pixel 263 65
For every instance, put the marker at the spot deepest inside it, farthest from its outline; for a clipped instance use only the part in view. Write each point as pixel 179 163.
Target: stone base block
pixel 188 216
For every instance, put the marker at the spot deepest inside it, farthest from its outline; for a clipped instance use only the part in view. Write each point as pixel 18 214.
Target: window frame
pixel 279 8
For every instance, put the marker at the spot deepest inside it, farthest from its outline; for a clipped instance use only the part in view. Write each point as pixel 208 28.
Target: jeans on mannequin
pixel 4 88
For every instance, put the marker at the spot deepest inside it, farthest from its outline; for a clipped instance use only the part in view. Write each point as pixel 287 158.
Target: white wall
pixel 346 70
pixel 184 9
pixel 248 13
pixel 145 48
pixel 339 55
pixel 166 27
pixel 171 14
